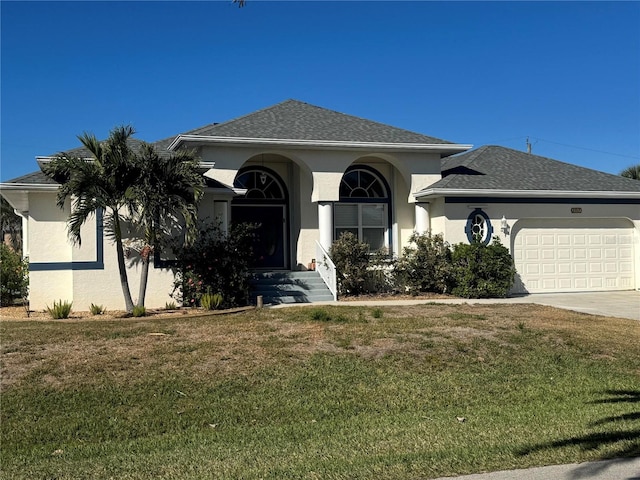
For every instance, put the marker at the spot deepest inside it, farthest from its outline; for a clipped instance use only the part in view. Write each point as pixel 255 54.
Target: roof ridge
pixel 232 120
pixel 374 122
pixel 549 159
pixel 210 129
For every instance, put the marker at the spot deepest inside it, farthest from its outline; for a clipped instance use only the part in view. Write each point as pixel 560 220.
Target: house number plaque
pixel 576 210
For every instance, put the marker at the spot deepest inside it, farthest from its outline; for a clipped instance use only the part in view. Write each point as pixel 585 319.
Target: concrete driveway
pixel 625 304
pixel 618 469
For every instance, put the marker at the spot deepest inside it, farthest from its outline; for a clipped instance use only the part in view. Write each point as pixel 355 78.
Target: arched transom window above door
pixel 261 184
pixel 364 207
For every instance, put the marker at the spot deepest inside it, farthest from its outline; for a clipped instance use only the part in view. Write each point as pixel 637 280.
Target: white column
pixel 220 210
pixel 325 224
pixel 423 220
pixel 24 216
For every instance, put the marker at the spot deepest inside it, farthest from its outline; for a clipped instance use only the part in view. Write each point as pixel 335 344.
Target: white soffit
pixel 319 144
pixel 449 192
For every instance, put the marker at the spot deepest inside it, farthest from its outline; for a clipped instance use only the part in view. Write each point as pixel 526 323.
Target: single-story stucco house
pixel 308 174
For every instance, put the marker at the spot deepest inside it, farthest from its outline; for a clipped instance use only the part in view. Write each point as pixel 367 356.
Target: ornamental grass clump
pixel 211 301
pixel 139 311
pixel 97 309
pixel 60 309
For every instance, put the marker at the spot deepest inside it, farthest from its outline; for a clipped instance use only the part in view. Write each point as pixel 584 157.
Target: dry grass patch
pixel 346 392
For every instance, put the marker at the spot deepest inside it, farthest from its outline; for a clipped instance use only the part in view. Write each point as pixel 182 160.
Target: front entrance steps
pixel 289 287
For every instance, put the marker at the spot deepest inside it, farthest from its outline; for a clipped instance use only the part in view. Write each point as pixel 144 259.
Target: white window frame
pixel 360 227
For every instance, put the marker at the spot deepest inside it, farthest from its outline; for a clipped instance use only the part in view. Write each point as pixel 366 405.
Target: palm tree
pixel 103 182
pixel 11 224
pixel 632 172
pixel 166 198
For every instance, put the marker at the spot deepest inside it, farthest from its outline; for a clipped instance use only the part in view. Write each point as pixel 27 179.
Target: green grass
pixel 296 393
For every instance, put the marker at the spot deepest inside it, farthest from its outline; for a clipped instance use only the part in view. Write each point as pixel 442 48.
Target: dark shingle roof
pixel 295 120
pixel 34 178
pixel 134 144
pixel 499 168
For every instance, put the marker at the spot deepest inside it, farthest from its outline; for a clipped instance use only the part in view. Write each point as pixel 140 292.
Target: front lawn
pixel 318 392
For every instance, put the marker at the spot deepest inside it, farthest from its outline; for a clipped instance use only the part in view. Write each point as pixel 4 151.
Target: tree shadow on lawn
pixel 596 440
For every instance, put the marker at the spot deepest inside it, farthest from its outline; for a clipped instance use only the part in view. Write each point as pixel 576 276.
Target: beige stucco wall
pixel 50 244
pixel 310 176
pixel 313 176
pixel 451 218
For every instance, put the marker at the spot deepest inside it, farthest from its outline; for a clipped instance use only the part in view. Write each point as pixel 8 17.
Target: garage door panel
pixel 625 253
pixel 564 283
pixel 548 254
pixel 547 240
pixel 580 267
pixel 580 254
pixel 626 268
pixel 532 269
pixel 579 239
pixel 610 267
pixel 574 254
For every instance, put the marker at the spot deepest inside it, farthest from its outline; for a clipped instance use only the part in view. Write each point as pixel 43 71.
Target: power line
pixel 635 157
pixel 527 139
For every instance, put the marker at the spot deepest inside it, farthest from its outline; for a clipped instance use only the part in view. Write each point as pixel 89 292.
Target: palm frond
pixel 632 172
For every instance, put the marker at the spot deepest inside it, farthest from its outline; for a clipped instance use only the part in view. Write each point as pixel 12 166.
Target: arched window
pixel 261 184
pixel 364 207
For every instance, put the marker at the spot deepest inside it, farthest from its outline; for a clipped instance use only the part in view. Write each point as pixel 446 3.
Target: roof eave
pixel 443 148
pixel 455 192
pixel 30 187
pixel 44 160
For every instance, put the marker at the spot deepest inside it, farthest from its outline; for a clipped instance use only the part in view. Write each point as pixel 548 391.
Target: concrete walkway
pixel 618 469
pixel 623 304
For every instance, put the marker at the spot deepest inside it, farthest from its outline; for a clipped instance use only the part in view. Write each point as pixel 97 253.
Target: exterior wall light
pixel 504 226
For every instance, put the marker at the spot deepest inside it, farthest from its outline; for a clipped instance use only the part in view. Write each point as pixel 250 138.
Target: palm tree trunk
pixel 124 281
pixel 144 275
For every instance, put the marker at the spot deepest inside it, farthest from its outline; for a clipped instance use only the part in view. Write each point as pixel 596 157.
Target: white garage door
pixel 573 255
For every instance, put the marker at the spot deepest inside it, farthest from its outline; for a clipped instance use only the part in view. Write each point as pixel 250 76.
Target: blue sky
pixel 566 74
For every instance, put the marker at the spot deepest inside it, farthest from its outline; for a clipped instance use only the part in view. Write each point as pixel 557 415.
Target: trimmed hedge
pixel 427 265
pixel 482 271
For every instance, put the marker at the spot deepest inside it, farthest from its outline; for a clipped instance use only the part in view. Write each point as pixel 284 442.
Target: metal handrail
pixel 327 269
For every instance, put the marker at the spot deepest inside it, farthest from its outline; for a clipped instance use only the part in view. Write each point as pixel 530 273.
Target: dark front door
pixel 270 245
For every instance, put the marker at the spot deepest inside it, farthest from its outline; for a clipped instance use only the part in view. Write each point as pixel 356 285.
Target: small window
pixel 478 227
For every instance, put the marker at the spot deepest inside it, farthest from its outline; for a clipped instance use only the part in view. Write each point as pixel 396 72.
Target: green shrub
pixel 425 266
pixel 482 271
pixel 14 273
pixel 60 309
pixel 170 306
pixel 215 262
pixel 358 270
pixel 351 258
pixel 211 301
pixel 97 309
pixel 139 311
